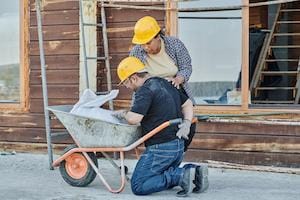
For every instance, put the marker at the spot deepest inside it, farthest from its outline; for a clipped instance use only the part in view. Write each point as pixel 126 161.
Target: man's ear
pixel 134 78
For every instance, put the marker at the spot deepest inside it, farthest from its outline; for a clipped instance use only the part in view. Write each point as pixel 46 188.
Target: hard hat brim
pixel 119 84
pixel 141 71
pixel 135 40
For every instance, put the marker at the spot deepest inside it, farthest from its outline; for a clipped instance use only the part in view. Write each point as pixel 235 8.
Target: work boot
pixel 187 182
pixel 201 179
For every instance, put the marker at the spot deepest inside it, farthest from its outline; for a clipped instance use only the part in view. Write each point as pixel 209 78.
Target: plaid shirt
pixel 178 53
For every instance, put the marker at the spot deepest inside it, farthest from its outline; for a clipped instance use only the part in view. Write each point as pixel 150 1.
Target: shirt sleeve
pixel 142 102
pixel 138 52
pixel 184 61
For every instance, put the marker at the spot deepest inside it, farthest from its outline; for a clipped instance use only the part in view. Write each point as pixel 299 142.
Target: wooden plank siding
pixel 60 21
pixel 245 158
pixel 242 143
pixel 246 143
pixel 258 15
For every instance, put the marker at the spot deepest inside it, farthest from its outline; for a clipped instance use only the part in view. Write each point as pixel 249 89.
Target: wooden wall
pixel 61 42
pixel 258 15
pixel 247 143
pixel 239 143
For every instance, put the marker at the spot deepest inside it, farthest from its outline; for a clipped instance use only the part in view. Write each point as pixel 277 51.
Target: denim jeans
pixel 157 169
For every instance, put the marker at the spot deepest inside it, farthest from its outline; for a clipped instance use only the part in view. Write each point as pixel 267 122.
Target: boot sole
pixel 203 172
pixel 184 193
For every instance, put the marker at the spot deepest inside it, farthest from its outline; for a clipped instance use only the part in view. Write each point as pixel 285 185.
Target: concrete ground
pixel 26 177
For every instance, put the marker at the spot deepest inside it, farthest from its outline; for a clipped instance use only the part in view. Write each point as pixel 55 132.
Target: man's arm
pixel 142 102
pixel 187 110
pixel 184 127
pixel 133 118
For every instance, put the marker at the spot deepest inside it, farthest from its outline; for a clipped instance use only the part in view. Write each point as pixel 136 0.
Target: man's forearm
pixel 133 118
pixel 187 110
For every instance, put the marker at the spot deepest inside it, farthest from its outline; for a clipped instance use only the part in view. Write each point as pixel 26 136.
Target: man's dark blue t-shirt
pixel 159 101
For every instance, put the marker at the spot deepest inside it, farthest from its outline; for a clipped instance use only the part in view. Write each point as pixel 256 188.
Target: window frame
pixel 172 21
pixel 22 105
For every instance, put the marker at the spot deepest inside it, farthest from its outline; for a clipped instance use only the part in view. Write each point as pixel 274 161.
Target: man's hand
pixel 184 129
pixel 120 114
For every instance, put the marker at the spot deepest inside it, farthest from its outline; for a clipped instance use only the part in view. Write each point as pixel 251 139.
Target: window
pixel 214 42
pixel 10 41
pixel 274 79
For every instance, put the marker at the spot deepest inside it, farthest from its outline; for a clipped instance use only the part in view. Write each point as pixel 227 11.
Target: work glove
pixel 120 114
pixel 184 129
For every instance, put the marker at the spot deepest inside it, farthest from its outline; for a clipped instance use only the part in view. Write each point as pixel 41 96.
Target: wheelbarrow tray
pixel 93 133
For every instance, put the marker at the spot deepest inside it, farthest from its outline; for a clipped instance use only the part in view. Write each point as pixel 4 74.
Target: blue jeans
pixel 157 169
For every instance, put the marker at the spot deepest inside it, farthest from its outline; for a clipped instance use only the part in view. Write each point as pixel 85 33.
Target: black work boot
pixel 187 182
pixel 201 179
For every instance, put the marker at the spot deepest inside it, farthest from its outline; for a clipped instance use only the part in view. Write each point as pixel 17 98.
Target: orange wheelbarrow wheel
pixel 76 170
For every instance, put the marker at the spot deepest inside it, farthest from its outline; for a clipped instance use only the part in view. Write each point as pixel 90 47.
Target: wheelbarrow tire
pixel 76 170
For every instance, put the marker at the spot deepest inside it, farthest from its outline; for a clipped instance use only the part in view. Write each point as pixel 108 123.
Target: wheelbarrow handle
pixel 179 121
pixel 175 121
pixel 202 117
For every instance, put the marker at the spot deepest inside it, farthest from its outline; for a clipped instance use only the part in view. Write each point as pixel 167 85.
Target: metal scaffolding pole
pixel 44 82
pixel 106 53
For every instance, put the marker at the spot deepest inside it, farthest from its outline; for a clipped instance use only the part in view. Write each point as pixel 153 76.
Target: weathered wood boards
pixel 242 143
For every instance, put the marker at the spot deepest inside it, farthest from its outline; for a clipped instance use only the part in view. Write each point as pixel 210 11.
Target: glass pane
pixel 214 42
pixel 9 51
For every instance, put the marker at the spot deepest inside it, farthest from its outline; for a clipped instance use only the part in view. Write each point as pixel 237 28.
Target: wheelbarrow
pixel 78 165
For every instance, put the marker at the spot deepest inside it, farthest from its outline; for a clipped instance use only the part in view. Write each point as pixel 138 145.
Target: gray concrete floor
pixel 26 177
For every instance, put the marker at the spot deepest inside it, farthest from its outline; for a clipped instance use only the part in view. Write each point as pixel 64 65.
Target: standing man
pixel 157 101
pixel 163 56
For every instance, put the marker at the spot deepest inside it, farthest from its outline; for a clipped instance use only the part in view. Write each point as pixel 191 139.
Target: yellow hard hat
pixel 129 66
pixel 145 30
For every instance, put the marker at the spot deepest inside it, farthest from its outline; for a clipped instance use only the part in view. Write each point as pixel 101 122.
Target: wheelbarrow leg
pixel 137 153
pixel 114 164
pixel 123 177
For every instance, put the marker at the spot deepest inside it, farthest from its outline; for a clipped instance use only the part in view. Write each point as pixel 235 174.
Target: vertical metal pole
pixel 83 45
pixel 106 53
pixel 44 82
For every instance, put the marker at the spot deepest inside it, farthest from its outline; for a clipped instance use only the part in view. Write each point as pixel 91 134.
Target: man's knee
pixel 137 191
pixel 136 187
